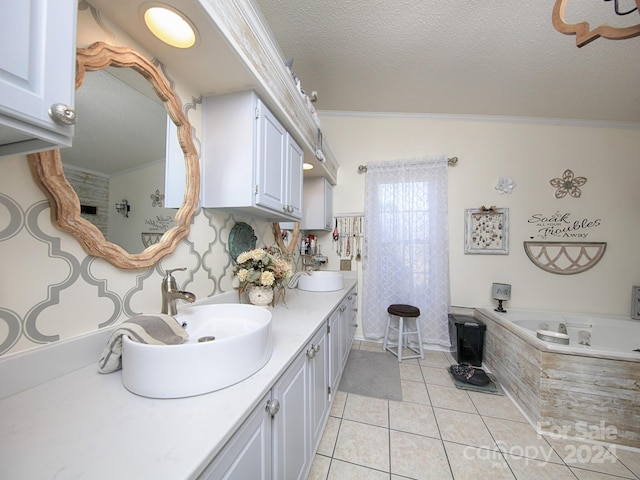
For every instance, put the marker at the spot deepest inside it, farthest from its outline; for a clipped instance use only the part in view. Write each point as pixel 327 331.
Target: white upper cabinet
pixel 318 204
pixel 250 163
pixel 37 72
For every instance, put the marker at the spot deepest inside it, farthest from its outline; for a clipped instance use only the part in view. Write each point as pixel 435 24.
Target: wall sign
pixel 562 226
pixel 559 244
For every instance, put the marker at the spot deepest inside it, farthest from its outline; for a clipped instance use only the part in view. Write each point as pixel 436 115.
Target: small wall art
pixel 486 231
pixel 568 184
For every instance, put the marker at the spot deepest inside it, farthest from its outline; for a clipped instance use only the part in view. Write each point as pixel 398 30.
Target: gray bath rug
pixel 372 374
pixel 493 387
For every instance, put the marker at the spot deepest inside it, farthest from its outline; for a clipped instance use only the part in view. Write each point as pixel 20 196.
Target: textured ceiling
pixel 475 57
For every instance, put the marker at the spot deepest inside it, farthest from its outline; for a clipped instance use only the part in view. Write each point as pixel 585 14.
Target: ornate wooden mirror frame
pixel 65 207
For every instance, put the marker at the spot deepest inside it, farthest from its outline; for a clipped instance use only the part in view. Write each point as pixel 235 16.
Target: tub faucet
pixel 171 294
pixel 562 328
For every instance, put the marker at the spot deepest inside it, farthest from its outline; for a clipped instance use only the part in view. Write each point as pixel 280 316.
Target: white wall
pixel 137 186
pixel 531 153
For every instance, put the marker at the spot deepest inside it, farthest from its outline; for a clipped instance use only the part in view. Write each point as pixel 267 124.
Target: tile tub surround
pixel 565 393
pixel 446 433
pixel 77 423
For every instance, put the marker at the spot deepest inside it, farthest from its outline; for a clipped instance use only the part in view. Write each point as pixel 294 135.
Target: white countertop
pixel 87 425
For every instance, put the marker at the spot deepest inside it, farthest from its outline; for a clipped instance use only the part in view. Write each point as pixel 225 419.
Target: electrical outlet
pixel 635 302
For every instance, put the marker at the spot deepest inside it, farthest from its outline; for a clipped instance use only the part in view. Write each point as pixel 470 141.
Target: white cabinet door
pixel 248 454
pixel 328 205
pixel 342 328
pixel 295 160
pixel 318 361
pixel 348 323
pixel 37 59
pixel 335 349
pixel 271 168
pixel 291 447
pixel 317 211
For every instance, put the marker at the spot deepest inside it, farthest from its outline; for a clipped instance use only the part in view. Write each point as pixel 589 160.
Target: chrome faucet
pixel 171 294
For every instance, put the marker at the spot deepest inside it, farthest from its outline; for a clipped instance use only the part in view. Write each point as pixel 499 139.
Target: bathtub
pixel 589 388
pixel 611 337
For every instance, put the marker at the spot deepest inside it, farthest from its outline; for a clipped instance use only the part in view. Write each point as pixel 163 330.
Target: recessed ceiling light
pixel 307 166
pixel 169 25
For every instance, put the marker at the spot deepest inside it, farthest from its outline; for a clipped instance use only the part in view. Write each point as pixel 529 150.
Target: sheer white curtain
pixel 406 255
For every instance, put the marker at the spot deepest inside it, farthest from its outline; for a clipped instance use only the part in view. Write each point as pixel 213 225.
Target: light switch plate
pixel 635 302
pixel 345 265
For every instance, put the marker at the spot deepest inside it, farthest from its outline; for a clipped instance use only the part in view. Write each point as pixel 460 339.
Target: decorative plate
pixel 241 239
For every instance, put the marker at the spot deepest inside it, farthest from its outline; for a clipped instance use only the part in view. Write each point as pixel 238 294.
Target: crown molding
pixel 566 122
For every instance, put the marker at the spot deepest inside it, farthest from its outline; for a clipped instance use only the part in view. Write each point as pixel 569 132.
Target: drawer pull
pixel 273 407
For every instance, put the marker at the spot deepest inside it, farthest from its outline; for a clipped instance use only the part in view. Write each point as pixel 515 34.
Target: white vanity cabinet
pixel 37 71
pixel 349 324
pixel 317 213
pixel 248 454
pixel 279 438
pixel 250 163
pixel 342 325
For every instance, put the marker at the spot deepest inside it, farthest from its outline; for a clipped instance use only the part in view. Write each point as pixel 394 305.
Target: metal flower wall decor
pixel 568 184
pixel 157 199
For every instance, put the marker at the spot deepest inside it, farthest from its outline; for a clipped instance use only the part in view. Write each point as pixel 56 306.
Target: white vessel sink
pixel 227 343
pixel 321 281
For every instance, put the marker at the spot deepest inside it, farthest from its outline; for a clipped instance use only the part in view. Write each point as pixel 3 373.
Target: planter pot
pixel 261 296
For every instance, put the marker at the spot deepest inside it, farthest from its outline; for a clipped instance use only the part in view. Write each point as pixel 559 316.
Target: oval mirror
pixel 143 248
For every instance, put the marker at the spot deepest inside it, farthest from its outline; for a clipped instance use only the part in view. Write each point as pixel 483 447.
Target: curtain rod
pixel 450 161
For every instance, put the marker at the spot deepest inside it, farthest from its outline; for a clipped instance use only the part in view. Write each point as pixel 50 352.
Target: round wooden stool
pixel 400 317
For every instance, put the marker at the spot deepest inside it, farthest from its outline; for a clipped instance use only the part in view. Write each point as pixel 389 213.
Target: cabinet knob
pixel 273 407
pixel 316 348
pixel 62 113
pixel 311 352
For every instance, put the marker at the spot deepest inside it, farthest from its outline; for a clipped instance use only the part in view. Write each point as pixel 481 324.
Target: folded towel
pixel 293 281
pixel 156 329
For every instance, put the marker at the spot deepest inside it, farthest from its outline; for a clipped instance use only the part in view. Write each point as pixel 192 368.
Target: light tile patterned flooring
pixel 440 432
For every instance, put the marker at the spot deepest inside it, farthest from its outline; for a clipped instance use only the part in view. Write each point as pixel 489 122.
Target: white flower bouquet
pixel 263 267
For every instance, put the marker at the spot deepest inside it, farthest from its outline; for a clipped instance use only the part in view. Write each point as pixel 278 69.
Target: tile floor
pixel 440 432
